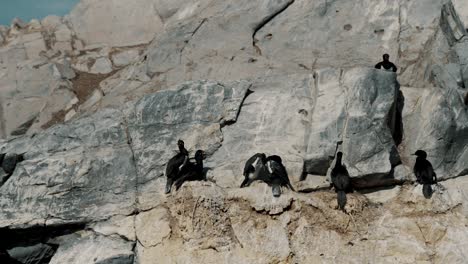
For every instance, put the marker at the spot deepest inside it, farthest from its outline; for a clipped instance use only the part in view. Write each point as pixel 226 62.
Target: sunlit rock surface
pixel 95 102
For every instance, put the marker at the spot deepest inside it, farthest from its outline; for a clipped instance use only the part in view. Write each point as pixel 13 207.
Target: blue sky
pixel 28 9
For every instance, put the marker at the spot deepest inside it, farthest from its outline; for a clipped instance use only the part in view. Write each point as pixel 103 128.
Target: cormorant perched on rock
pixel 424 172
pixel 9 161
pixel 175 164
pixel 278 176
pixel 386 64
pixel 341 181
pixel 191 172
pixel 252 168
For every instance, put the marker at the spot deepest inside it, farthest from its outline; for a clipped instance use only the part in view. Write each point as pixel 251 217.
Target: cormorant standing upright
pixel 278 176
pixel 191 172
pixel 424 172
pixel 386 64
pixel 252 169
pixel 175 164
pixel 341 181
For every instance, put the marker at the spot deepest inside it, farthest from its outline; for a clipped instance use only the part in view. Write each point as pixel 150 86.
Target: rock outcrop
pixel 95 102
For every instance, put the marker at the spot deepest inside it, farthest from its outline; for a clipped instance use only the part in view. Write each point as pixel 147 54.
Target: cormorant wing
pixel 174 164
pixel 248 164
pixel 278 170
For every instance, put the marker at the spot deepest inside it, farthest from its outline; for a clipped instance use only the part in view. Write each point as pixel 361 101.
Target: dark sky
pixel 28 9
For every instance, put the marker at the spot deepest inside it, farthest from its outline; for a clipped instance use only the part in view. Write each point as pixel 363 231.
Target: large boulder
pixel 115 22
pixel 354 107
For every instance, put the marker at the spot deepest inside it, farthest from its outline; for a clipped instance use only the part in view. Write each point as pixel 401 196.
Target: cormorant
pixel 252 168
pixel 341 181
pixel 278 176
pixel 175 164
pixel 424 172
pixel 191 172
pixel 386 64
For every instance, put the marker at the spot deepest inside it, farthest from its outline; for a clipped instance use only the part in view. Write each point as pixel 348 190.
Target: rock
pixel 294 42
pixel 2 38
pixel 69 115
pixel 50 23
pixel 450 24
pixel 436 122
pixel 152 227
pixel 201 107
pixel 34 24
pixel 101 66
pixel 92 248
pixel 102 22
pixel 69 162
pixel 40 253
pixel 125 57
pixel 461 8
pixel 273 120
pixel 95 97
pixel 34 44
pixel 461 49
pixel 365 127
pixel 123 226
pixel 18 23
pixel 64 71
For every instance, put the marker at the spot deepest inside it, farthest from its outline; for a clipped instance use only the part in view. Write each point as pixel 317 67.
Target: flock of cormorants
pixel 272 171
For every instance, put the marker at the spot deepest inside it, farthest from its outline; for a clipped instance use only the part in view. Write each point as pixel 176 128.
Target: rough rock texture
pixel 97 100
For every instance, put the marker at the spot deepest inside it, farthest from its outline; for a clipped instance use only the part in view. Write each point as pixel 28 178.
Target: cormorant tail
pixel 291 187
pixel 169 185
pixel 341 197
pixel 427 191
pixel 276 189
pixel 244 183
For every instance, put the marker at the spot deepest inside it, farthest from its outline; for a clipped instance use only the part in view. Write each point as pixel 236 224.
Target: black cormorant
pixel 424 172
pixel 175 164
pixel 341 181
pixel 252 167
pixel 191 171
pixel 278 176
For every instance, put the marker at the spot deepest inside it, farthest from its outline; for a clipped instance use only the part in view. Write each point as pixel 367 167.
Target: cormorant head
pixel 180 143
pixel 339 154
pixel 200 155
pixel 421 154
pixel 275 158
pixel 386 57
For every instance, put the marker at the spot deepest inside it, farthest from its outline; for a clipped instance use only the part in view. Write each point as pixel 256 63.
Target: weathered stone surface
pixel 67 163
pixel 353 107
pixel 90 248
pixel 436 121
pixel 308 65
pixel 101 66
pixel 115 22
pixel 202 108
pixel 274 120
pixel 40 253
pixel 126 57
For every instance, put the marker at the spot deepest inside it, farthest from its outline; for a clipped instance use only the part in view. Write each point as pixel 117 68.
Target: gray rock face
pixel 37 254
pixel 115 22
pixel 91 248
pixel 102 112
pixel 193 112
pixel 354 107
pixel 66 164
